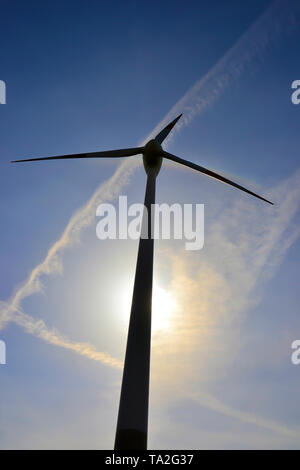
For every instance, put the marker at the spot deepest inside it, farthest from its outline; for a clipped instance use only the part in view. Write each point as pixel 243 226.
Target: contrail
pixel 52 263
pixel 39 329
pixel 216 405
pixel 212 295
pixel 280 17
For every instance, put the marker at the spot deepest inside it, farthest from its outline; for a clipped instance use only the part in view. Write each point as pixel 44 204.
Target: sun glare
pixel 163 308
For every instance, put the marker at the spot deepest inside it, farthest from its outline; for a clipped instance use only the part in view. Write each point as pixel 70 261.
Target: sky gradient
pixel 88 76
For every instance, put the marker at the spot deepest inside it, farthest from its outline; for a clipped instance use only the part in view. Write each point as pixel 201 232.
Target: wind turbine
pixel 132 424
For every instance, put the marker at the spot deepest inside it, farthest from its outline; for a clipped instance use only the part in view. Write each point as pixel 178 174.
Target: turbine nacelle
pixel 152 156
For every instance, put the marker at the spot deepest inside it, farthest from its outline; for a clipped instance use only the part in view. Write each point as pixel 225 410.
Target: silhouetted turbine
pixel 132 422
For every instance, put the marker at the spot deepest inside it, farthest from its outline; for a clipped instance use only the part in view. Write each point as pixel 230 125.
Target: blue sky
pixel 87 76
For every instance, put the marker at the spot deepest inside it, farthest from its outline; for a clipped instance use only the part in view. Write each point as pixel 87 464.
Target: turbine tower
pixel 132 424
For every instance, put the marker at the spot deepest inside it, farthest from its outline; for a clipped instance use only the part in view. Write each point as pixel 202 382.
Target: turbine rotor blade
pixel 106 154
pixel 166 131
pixel 212 174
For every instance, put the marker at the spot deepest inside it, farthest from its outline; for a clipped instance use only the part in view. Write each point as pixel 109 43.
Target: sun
pixel 163 307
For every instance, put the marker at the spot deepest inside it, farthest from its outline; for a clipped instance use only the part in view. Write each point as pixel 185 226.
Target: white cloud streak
pixel 281 17
pixel 213 291
pixel 52 264
pixel 39 329
pixel 244 247
pixel 214 404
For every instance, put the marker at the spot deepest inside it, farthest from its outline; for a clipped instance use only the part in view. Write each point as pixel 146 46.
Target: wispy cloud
pixel 214 404
pixel 245 246
pixel 281 17
pixel 39 329
pixel 52 264
pixel 83 217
